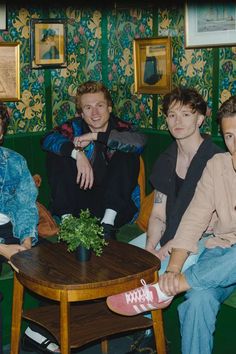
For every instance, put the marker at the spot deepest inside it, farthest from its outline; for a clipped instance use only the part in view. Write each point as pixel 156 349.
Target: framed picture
pixel 48 38
pixel 210 25
pixel 9 71
pixel 3 16
pixel 152 65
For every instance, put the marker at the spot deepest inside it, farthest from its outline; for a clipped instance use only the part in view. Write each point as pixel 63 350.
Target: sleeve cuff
pixel 103 137
pixel 67 148
pixel 73 154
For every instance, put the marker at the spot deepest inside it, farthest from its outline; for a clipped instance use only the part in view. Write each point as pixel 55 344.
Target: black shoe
pixel 109 232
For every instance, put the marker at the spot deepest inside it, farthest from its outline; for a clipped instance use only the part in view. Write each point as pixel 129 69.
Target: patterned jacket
pixel 120 136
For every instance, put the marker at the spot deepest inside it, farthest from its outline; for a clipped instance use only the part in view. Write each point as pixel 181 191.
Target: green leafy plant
pixel 84 230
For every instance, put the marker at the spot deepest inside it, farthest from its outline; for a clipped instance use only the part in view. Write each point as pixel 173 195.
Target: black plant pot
pixel 83 254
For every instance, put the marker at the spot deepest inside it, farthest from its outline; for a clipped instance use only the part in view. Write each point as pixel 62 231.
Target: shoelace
pixel 139 295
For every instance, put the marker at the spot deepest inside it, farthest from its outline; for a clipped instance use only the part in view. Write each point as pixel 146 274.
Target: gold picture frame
pixel 3 16
pixel 208 26
pixel 9 71
pixel 48 48
pixel 152 65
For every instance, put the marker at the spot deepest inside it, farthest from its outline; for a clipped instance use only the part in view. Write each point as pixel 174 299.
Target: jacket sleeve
pixel 60 139
pixel 198 214
pixel 126 140
pixel 26 213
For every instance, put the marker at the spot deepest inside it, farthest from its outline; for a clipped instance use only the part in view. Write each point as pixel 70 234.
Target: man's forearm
pixel 156 228
pixel 177 259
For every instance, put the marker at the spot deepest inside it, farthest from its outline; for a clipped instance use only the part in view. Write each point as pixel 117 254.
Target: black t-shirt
pixel 178 183
pixel 163 179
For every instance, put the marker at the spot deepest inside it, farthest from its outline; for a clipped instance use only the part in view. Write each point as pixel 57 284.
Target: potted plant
pixel 83 232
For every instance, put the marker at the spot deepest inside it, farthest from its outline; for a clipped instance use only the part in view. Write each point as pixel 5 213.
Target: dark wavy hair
pixel 4 119
pixel 92 87
pixel 227 109
pixel 185 96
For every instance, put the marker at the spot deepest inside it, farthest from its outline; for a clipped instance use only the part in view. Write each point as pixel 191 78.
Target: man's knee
pixel 200 301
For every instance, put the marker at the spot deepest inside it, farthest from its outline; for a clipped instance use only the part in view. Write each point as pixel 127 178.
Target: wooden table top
pixel 51 265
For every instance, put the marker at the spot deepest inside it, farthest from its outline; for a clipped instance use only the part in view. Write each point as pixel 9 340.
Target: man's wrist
pixel 75 152
pixel 150 245
pixel 79 149
pixel 173 269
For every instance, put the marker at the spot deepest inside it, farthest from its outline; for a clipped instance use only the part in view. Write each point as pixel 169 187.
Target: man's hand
pixel 9 250
pixel 85 139
pixel 85 175
pixel 27 243
pixel 152 250
pixel 170 283
pixel 164 251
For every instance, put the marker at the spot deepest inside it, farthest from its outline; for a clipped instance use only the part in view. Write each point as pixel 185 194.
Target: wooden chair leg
pixel 104 346
pixel 158 329
pixel 16 315
pixel 64 323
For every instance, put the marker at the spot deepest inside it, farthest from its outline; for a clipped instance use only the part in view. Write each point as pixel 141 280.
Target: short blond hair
pixel 92 87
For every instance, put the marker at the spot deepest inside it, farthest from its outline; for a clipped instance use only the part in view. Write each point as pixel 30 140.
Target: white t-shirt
pixel 4 219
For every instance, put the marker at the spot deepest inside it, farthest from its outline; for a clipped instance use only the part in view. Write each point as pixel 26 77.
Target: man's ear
pixel 110 109
pixel 200 119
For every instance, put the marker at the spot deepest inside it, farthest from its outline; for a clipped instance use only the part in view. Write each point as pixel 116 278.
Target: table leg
pixel 104 346
pixel 64 323
pixel 158 327
pixel 16 315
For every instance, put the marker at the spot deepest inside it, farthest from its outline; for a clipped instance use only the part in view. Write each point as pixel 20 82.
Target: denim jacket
pixel 18 195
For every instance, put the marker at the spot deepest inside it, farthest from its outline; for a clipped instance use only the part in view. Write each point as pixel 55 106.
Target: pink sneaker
pixel 134 302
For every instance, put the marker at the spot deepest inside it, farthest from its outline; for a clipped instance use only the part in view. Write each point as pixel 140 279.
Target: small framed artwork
pixel 3 16
pixel 9 71
pixel 152 65
pixel 48 38
pixel 210 25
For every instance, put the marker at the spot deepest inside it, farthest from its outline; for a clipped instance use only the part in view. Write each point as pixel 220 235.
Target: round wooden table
pixel 52 272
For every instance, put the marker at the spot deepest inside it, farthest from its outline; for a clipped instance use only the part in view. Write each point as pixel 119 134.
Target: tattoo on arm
pixel 158 197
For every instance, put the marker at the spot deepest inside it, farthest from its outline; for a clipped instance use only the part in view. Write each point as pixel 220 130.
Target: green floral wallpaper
pixel 123 27
pixel 100 47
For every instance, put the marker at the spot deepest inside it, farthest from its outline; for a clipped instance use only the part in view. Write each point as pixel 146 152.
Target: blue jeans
pixel 212 280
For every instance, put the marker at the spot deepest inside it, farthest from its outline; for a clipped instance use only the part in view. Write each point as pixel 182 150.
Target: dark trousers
pixel 7 234
pixel 113 187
